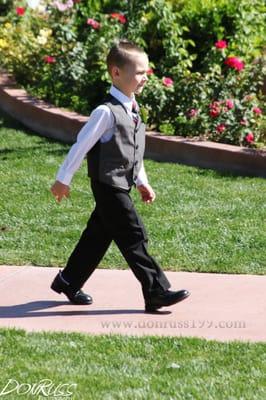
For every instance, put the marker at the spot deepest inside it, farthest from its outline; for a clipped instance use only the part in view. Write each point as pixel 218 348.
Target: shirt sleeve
pixel 142 176
pixel 100 120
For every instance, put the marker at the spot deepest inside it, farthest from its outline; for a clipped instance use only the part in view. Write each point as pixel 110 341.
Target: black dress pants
pixel 114 218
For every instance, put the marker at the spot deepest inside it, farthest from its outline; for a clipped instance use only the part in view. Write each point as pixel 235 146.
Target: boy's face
pixel 132 77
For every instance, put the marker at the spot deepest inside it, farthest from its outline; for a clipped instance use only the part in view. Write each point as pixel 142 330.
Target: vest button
pixel 137 146
pixel 136 162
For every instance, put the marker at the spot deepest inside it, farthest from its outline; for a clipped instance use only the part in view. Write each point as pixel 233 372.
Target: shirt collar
pixel 122 98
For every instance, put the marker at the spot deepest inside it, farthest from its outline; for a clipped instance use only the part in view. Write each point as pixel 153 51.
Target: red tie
pixel 135 115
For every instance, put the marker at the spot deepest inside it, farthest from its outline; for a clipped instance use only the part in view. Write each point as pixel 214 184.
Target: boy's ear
pixel 115 71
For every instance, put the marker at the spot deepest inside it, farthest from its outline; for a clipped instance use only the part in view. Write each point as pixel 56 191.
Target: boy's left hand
pixel 147 193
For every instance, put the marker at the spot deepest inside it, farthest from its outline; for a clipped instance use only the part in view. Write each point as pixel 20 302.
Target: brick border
pixel 64 125
pixel 205 154
pixel 37 115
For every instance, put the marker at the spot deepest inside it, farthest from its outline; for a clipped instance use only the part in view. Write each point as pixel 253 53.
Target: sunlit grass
pixel 147 368
pixel 202 220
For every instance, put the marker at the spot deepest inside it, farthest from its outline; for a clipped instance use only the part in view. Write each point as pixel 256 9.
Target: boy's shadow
pixel 33 309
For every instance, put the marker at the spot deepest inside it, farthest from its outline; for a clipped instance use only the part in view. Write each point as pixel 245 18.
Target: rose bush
pixel 221 104
pixel 57 50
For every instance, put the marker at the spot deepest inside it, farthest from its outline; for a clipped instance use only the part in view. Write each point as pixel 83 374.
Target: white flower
pixel 41 9
pixel 33 3
pixel 45 32
pixel 42 39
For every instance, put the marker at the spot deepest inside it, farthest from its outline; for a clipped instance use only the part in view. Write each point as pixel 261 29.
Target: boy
pixel 113 140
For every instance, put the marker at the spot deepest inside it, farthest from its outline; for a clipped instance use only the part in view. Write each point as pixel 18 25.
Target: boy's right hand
pixel 59 190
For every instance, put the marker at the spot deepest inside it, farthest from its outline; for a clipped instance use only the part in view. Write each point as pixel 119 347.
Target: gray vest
pixel 118 161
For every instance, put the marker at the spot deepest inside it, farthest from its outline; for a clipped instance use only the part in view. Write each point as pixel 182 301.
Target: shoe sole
pixel 80 304
pixel 55 289
pixel 153 308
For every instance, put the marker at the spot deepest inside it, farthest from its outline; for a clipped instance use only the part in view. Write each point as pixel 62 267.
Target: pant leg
pixel 124 225
pixel 88 252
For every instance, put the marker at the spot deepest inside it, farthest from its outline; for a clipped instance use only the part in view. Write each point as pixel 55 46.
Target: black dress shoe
pixel 59 285
pixel 165 299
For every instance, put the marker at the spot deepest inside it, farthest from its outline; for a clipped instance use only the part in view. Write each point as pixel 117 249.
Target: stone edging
pixel 64 125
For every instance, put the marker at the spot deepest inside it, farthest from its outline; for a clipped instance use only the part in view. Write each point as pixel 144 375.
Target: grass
pixel 131 368
pixel 202 220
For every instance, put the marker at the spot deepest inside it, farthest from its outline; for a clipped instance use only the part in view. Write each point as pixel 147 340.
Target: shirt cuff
pixel 64 177
pixel 142 177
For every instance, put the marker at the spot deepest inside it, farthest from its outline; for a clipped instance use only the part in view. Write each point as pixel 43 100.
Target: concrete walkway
pixel 221 307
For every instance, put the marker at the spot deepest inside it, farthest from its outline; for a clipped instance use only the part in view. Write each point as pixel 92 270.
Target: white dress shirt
pixel 100 126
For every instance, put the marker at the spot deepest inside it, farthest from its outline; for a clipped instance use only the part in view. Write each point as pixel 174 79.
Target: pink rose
pixel 63 6
pixel 168 82
pixel 192 113
pixel 20 11
pixel 249 137
pixel 214 112
pixel 235 63
pixel 257 110
pixel 120 17
pixel 220 128
pixel 229 104
pixel 94 24
pixel 49 59
pixel 215 104
pixel 150 71
pixel 215 109
pixel 221 44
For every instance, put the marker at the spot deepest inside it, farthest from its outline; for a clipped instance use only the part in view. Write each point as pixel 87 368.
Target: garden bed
pixel 64 125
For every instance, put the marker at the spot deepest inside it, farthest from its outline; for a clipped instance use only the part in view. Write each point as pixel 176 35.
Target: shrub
pixel 241 23
pixel 221 104
pixel 57 51
pixel 5 6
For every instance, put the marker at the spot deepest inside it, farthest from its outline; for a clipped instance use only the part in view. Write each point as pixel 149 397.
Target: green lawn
pixel 202 220
pixel 130 368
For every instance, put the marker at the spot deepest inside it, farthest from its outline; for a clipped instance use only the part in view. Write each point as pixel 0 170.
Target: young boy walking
pixel 113 140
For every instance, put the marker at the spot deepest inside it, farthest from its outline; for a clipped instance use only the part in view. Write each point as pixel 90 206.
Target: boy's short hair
pixel 122 53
